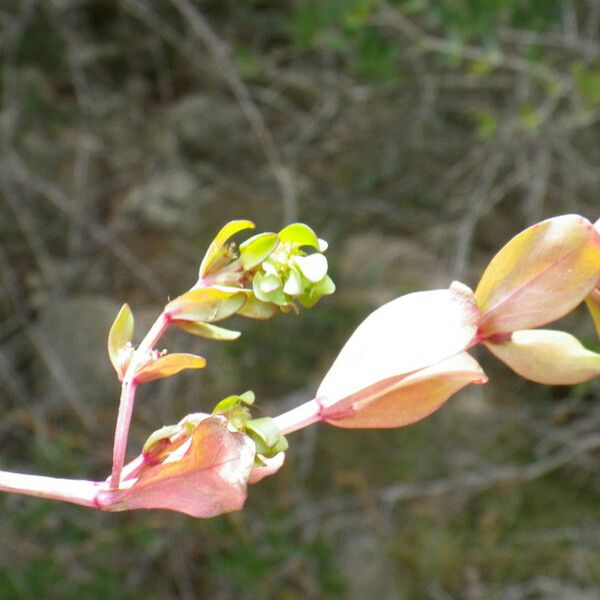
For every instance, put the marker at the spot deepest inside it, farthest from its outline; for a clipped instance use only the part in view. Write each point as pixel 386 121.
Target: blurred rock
pixel 211 127
pixel 170 201
pixel 76 329
pixel 376 268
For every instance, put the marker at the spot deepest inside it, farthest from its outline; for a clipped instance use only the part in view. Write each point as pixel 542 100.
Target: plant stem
pixel 302 416
pixel 76 491
pixel 128 389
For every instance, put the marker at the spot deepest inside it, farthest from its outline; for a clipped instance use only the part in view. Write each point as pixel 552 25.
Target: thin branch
pixel 221 54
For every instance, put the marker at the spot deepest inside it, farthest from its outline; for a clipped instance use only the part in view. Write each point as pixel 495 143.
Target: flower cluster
pixel 290 274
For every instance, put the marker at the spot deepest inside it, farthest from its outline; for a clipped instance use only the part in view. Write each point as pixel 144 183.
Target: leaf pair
pixel 199 467
pixel 408 357
pixel 404 361
pixel 537 277
pixel 153 365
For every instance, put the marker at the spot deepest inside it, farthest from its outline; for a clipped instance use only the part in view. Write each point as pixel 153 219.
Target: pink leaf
pixel 403 336
pixel 539 276
pixel 271 465
pixel 405 399
pixel 548 357
pixel 205 477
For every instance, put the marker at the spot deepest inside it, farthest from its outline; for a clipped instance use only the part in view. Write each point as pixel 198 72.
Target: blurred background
pixel 416 136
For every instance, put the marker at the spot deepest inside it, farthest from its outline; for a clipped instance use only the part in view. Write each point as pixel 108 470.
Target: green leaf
pixel 216 251
pixel 235 409
pixel 266 436
pixel 268 288
pixel 257 248
pixel 300 234
pixel 208 331
pixel 168 365
pixel 230 402
pixel 205 304
pixel 120 334
pixel 257 309
pixel 325 287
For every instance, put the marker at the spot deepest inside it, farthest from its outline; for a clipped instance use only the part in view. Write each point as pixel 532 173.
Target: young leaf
pixel 205 304
pixel 266 436
pixel 256 249
pixel 233 401
pixel 208 331
pixel 168 365
pixel 540 275
pixel 267 467
pixel 257 309
pixel 300 235
pixel 547 356
pixel 216 249
pixel 160 439
pixel 406 399
pixel 325 287
pixel 402 336
pixel 120 335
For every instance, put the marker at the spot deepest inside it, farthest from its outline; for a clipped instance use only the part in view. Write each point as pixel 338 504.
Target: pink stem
pixel 302 416
pixel 76 491
pixel 128 389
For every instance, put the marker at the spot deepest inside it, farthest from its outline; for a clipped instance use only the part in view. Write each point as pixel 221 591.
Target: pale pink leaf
pixel 206 477
pixel 539 276
pixel 402 336
pixel 403 400
pixel 548 357
pixel 270 466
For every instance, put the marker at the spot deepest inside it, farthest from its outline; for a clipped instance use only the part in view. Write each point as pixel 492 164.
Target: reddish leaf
pixel 405 335
pixel 540 275
pixel 405 399
pixel 168 365
pixel 204 478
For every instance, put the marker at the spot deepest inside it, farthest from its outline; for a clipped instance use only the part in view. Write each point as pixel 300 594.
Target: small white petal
pixel 269 267
pixel 313 267
pixel 270 283
pixel 323 245
pixel 293 285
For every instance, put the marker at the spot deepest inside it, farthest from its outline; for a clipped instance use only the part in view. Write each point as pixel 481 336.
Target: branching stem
pixel 128 389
